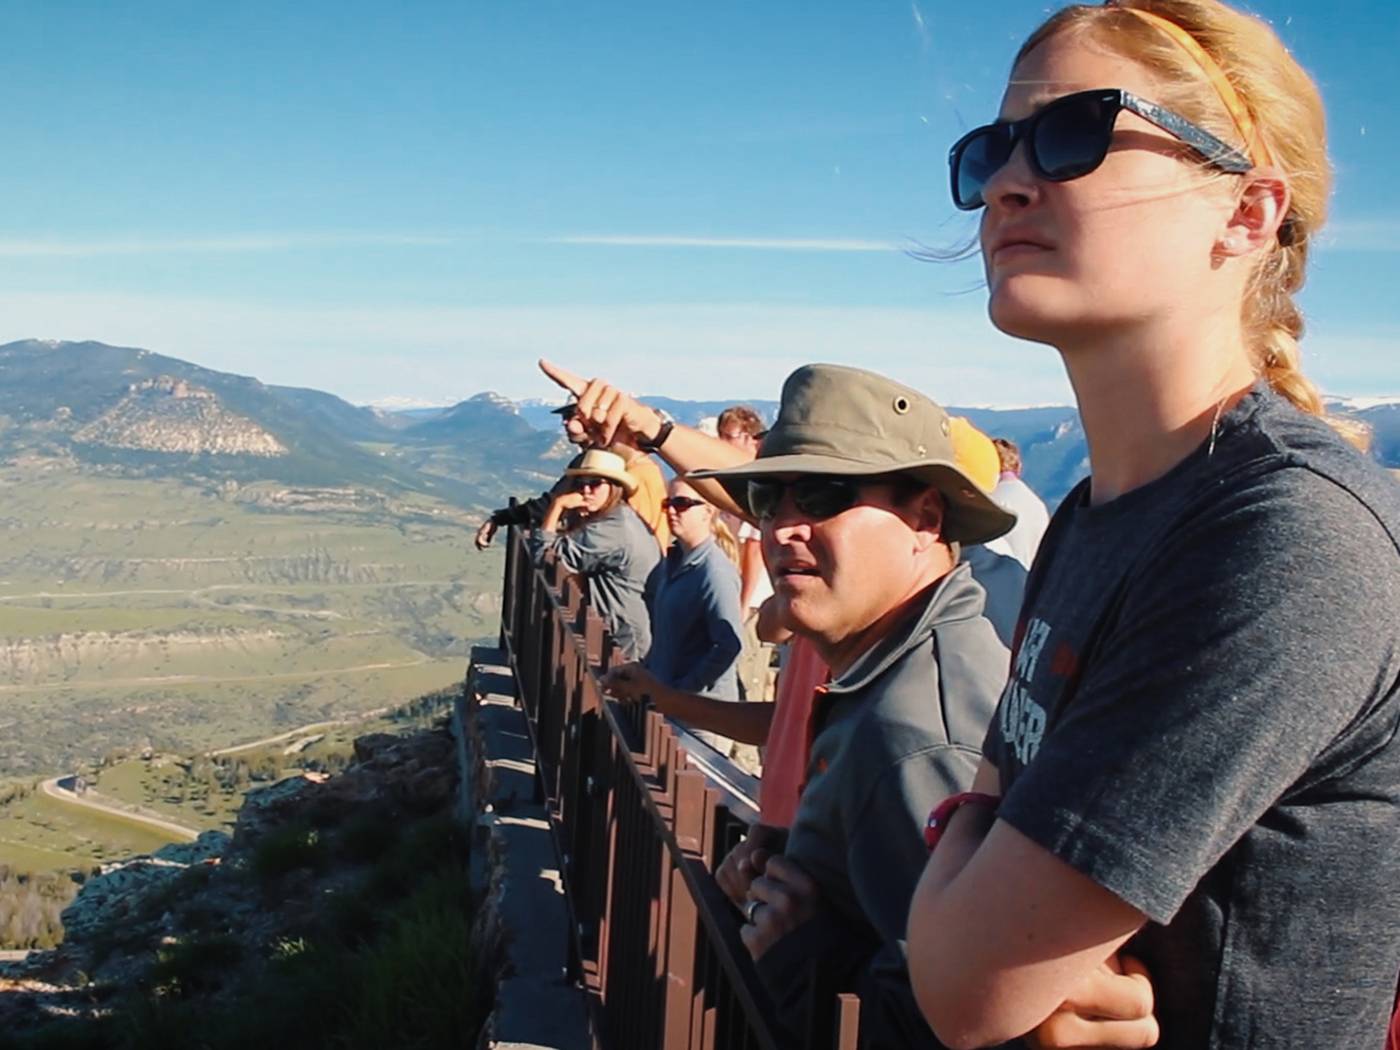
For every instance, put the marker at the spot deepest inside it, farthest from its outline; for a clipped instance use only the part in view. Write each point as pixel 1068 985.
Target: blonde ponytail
pixel 725 539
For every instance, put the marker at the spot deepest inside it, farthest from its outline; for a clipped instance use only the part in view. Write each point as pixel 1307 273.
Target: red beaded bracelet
pixel 943 813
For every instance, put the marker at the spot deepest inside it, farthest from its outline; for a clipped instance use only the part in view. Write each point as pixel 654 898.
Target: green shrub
pixel 367 835
pixel 287 848
pixel 195 965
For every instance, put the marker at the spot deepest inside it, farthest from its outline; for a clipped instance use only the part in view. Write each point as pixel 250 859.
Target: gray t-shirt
pixel 1201 717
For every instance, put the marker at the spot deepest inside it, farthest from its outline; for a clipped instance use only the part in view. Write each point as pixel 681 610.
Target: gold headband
pixel 1254 142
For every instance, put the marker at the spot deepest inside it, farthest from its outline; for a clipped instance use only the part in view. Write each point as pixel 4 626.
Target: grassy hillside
pixel 184 617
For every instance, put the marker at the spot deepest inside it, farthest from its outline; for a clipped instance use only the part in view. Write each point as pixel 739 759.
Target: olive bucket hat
pixel 849 422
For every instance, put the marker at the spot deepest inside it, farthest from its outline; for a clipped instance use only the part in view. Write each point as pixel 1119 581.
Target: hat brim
pixel 627 482
pixel 971 515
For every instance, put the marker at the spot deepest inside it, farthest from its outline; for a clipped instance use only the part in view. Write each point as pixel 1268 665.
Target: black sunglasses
pixel 681 504
pixel 589 483
pixel 1068 138
pixel 816 496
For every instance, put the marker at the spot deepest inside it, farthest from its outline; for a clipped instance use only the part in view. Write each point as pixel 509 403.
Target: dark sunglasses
pixel 681 504
pixel 815 496
pixel 1069 138
pixel 589 483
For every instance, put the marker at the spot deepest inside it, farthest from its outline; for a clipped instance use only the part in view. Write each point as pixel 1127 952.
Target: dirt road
pixel 55 787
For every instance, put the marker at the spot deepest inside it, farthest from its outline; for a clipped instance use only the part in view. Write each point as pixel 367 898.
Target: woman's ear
pixel 1260 210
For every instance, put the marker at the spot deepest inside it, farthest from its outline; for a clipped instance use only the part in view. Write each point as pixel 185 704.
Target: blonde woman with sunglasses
pixel 1184 830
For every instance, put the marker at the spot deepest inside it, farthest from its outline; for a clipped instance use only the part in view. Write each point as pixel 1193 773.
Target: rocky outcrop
pixel 241 888
pixel 171 415
pixel 108 896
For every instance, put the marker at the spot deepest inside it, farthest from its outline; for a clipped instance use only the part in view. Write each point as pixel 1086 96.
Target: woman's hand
pixel 605 411
pixel 780 899
pixel 1112 1009
pixel 630 683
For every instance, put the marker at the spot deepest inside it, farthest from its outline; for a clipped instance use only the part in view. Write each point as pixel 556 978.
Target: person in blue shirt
pixel 696 622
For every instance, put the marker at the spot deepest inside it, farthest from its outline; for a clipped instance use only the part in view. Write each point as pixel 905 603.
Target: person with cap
pixel 645 498
pixel 859 500
pixel 530 512
pixel 609 548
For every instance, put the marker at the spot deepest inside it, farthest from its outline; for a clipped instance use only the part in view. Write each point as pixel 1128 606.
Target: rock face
pixel 107 896
pixel 131 911
pixel 171 415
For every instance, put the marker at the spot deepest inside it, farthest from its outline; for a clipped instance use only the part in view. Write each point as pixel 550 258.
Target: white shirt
pixel 763 589
pixel 1021 542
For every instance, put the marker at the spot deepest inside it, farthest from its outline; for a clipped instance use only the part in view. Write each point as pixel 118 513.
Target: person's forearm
pixel 770 625
pixel 687 449
pixel 551 518
pixel 752 570
pixel 746 723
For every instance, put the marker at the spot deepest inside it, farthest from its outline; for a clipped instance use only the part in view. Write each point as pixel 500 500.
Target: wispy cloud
pixel 368 352
pixel 768 244
pixel 920 25
pixel 233 243
pixel 1380 233
pixel 214 244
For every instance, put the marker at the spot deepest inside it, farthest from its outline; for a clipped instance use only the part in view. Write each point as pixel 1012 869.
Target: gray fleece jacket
pixel 614 554
pixel 894 735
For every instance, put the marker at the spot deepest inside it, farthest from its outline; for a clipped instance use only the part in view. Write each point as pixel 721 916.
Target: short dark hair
pixel 741 417
pixel 1009 454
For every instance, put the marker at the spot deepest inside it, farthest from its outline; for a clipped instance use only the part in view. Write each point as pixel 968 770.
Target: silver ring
pixel 749 909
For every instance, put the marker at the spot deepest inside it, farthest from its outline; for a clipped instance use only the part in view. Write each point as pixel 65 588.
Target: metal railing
pixel 641 814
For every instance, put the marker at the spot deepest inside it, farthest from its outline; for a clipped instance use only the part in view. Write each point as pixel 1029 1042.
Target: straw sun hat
pixel 600 463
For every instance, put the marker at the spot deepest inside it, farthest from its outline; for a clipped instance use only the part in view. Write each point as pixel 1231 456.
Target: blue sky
pixel 417 200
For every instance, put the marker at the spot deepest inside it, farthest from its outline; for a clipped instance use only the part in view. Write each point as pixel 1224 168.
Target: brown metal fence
pixel 640 819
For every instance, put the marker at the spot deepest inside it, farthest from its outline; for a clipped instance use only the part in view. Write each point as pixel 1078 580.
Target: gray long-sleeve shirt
pixel 614 553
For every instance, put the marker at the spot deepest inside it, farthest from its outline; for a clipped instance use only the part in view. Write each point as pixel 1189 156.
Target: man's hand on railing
pixel 781 899
pixel 631 683
pixel 743 863
pixel 485 534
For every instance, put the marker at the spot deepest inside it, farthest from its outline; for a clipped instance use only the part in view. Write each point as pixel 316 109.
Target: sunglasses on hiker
pixel 680 504
pixel 1070 137
pixel 589 483
pixel 815 496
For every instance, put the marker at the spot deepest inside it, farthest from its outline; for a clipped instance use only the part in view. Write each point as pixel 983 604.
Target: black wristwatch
pixel 654 444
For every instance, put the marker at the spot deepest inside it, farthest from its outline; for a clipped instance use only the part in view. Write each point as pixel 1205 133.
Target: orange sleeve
pixel 646 501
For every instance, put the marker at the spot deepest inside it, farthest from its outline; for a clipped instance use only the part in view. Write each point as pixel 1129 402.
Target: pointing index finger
pixel 570 381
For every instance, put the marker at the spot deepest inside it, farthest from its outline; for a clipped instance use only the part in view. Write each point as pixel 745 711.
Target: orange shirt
pixel 646 501
pixel 785 755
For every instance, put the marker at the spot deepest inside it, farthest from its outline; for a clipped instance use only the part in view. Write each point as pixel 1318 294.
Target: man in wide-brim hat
pixel 861 503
